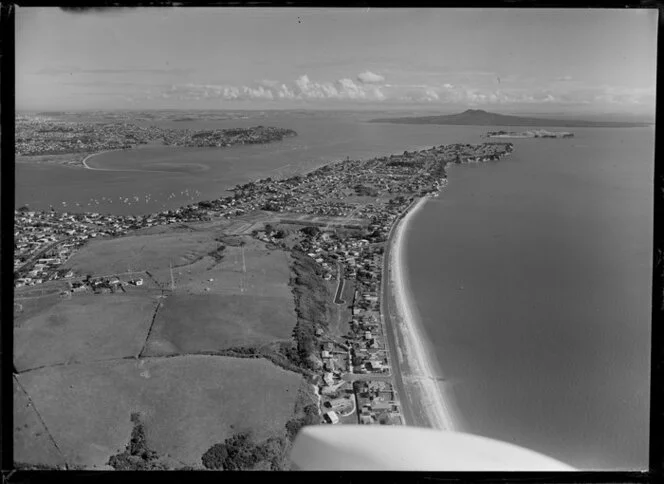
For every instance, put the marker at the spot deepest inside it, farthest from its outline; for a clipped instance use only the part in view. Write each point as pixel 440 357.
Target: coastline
pixel 419 379
pixel 88 167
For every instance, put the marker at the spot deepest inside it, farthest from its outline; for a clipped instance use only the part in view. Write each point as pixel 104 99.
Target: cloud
pixel 368 77
pixel 308 90
pixel 268 83
pixel 70 70
pixel 564 78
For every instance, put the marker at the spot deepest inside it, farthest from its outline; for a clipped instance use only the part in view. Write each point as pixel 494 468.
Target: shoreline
pixel 84 161
pixel 419 378
pixel 88 167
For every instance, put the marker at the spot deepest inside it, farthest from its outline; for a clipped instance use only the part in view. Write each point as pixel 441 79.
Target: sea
pixel 531 275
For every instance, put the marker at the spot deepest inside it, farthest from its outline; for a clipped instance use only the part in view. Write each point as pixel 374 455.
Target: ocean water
pixel 532 276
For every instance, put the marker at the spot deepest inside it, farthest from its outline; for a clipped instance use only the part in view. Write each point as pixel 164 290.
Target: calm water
pixel 531 274
pixel 533 280
pixel 172 177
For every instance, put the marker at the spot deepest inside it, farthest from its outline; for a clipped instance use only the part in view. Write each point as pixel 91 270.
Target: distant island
pixel 534 133
pixel 478 117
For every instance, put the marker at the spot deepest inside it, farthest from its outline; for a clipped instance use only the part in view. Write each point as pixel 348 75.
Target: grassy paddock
pixel 195 323
pixel 187 404
pixel 32 444
pixel 262 272
pixel 84 328
pixel 146 252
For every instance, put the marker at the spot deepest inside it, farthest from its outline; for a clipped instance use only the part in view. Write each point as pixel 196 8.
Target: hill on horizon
pixel 479 117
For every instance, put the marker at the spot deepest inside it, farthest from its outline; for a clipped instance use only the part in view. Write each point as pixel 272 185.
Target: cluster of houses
pixel 45 136
pixel 225 137
pixel 368 338
pixel 376 403
pixel 44 240
pixel 41 135
pixel 99 285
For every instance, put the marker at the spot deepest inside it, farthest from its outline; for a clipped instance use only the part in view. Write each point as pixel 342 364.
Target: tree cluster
pixel 364 190
pixel 137 456
pixel 239 452
pixel 310 417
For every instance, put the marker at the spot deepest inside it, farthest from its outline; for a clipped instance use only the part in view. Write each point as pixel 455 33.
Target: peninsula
pixel 536 133
pixel 478 117
pixel 288 290
pixel 46 140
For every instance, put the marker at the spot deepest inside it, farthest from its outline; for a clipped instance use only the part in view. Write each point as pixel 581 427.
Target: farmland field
pixel 32 444
pixel 260 272
pixel 187 404
pixel 191 324
pixel 84 328
pixel 140 253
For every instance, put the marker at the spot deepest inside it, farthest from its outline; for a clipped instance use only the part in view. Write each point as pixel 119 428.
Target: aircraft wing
pixel 400 448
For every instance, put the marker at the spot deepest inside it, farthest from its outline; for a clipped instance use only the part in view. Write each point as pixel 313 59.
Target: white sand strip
pixel 420 373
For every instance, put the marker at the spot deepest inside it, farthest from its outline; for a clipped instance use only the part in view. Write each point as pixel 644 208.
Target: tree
pixel 215 456
pixel 310 230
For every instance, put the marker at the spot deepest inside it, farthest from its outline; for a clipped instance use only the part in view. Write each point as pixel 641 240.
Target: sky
pixel 501 60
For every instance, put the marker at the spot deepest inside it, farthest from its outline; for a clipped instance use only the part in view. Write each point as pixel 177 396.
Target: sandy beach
pixel 418 370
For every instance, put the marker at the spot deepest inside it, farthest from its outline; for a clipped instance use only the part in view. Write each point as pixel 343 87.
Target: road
pixel 388 325
pixel 27 264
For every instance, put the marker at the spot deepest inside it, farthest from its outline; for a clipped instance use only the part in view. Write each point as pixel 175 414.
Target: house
pixel 328 378
pixel 332 417
pixel 325 354
pixel 337 403
pixel 375 365
pixel 380 405
pixel 367 335
pixel 366 419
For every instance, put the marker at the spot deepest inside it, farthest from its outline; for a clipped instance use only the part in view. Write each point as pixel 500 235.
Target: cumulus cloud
pixel 306 89
pixel 368 77
pixel 268 83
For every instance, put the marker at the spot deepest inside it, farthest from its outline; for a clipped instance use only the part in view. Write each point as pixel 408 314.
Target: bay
pixel 532 276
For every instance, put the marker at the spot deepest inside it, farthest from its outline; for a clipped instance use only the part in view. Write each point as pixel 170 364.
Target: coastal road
pixel 388 324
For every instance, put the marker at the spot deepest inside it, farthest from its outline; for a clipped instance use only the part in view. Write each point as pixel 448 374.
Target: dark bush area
pixel 217 254
pixel 364 190
pixel 311 299
pixel 294 425
pixel 310 230
pixel 240 452
pixel 137 455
